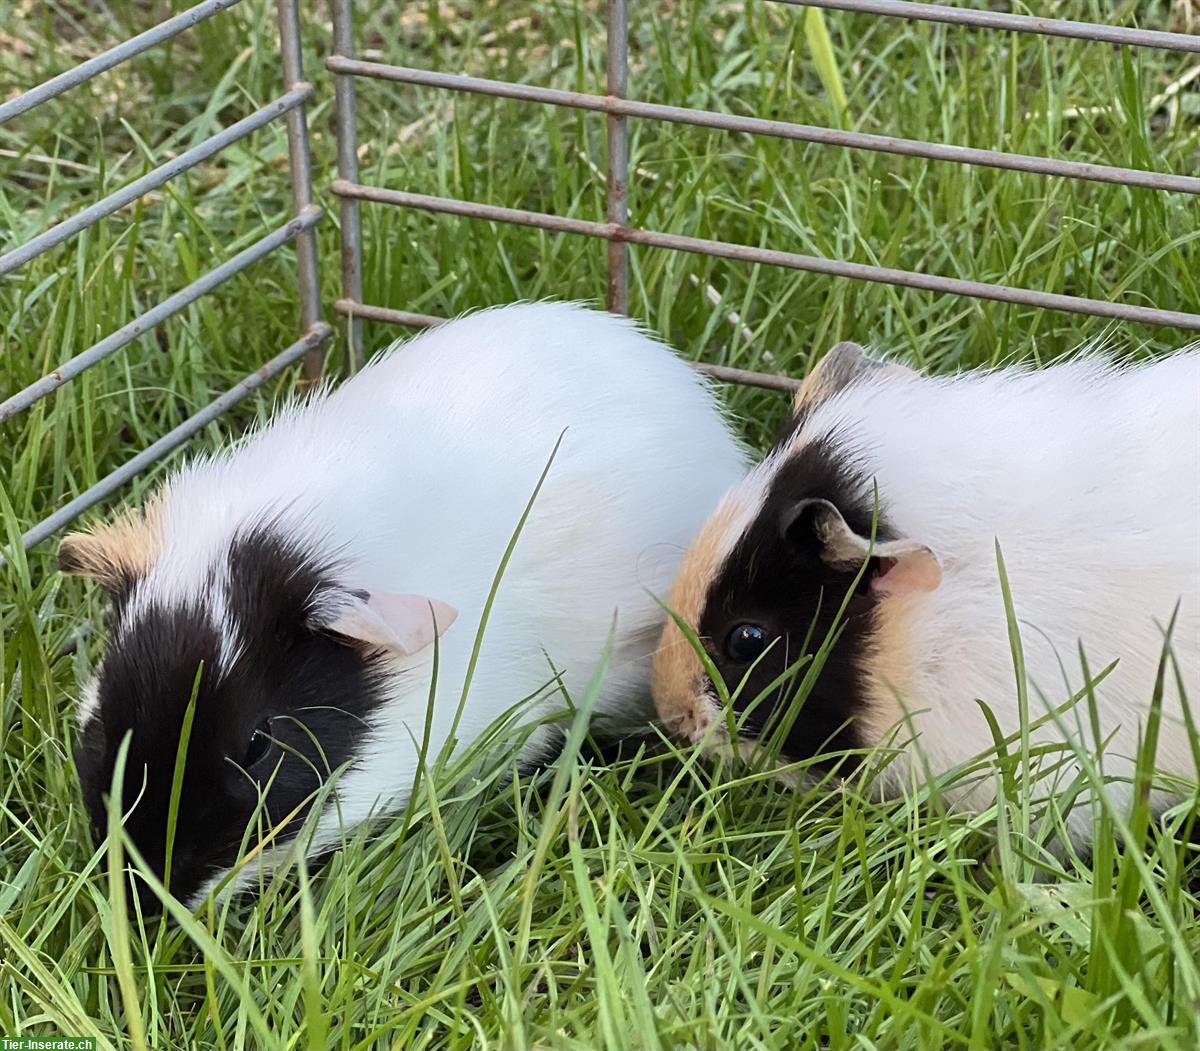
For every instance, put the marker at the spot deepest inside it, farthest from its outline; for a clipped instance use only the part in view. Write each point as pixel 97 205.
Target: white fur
pixel 1088 475
pixel 89 701
pixel 415 474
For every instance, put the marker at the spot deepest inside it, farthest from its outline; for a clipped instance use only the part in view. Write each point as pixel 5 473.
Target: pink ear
pixel 405 624
pixel 905 567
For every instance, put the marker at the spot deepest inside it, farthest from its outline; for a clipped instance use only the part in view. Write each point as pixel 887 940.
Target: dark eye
pixel 260 741
pixel 745 643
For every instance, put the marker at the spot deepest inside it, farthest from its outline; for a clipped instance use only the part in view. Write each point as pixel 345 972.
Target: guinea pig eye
pixel 260 741
pixel 745 643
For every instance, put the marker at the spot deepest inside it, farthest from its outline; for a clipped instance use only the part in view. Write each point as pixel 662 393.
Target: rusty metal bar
pixel 353 308
pixel 474 210
pixel 153 179
pixel 984 19
pixel 774 128
pixel 114 56
pixel 157 314
pixel 747 378
pixel 350 221
pixel 300 170
pixel 767 380
pixel 310 341
pixel 617 189
pixel 772 257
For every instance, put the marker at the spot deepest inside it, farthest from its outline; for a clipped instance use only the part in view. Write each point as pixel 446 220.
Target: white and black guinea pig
pixel 1088 475
pixel 310 568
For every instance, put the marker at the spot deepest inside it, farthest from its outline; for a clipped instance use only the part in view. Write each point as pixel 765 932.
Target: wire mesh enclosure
pixel 616 107
pixel 290 107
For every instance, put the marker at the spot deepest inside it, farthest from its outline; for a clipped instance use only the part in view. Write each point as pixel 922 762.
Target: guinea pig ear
pixel 403 624
pixel 845 364
pixel 117 554
pixel 94 556
pixel 897 566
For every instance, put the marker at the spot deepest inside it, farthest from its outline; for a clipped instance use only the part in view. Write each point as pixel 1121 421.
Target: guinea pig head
pixel 287 665
pixel 798 553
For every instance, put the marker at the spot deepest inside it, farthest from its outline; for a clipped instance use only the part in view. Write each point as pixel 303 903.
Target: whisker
pixel 779 699
pixel 327 708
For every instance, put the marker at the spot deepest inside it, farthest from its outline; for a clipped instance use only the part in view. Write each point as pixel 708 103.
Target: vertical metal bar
pixel 300 168
pixel 345 115
pixel 618 156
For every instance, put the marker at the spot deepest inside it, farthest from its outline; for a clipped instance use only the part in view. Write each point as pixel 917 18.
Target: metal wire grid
pixel 618 108
pixel 616 230
pixel 314 332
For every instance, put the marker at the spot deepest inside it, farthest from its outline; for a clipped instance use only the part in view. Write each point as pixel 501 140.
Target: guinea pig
pixel 887 494
pixel 307 572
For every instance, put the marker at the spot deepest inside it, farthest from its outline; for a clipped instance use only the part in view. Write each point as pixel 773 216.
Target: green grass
pixel 657 900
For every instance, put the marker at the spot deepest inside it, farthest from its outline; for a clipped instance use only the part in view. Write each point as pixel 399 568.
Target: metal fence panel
pixel 315 333
pixel 617 109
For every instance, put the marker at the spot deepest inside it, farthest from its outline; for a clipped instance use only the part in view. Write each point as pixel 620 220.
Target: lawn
pixel 647 898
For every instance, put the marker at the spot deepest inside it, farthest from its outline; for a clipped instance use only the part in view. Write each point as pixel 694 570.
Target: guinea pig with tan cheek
pixel 1087 473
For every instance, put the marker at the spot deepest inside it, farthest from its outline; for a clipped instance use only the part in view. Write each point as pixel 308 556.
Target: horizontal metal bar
pixel 779 129
pixel 152 453
pixel 350 308
pixel 745 377
pixel 157 314
pixel 771 257
pixel 113 57
pixel 473 210
pixel 983 19
pixel 152 180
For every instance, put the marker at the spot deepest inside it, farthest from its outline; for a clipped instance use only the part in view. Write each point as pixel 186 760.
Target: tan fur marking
pixel 115 553
pixel 889 669
pixel 677 679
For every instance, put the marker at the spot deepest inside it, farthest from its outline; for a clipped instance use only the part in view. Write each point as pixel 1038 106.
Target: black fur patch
pixel 317 691
pixel 783 586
